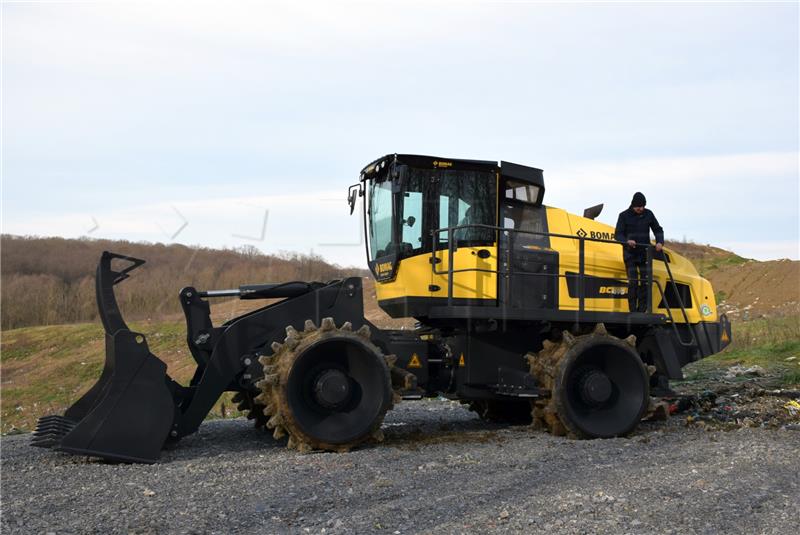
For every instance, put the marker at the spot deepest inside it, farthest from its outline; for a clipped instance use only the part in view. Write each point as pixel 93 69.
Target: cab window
pixel 467 198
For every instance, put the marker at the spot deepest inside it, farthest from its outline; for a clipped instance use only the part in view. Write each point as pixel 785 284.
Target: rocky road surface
pixel 440 470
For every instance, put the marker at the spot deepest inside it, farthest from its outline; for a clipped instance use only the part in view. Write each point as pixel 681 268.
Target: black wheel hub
pixel 337 389
pixel 332 389
pixel 595 388
pixel 603 389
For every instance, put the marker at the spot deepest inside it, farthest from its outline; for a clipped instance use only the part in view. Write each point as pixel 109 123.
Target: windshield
pixel 401 221
pixel 380 218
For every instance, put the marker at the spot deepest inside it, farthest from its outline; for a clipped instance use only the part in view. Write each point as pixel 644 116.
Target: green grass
pixel 766 342
pixel 46 369
pixel 706 265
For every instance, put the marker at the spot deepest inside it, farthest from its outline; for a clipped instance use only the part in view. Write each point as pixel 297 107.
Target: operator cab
pixel 414 206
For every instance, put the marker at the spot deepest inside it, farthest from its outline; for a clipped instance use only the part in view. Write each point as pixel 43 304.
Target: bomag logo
pixel 437 163
pixel 613 290
pixel 384 267
pixel 595 234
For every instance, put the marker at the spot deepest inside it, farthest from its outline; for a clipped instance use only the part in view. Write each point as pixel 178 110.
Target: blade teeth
pixel 390 360
pixel 327 324
pixel 290 444
pixel 270 368
pixel 547 345
pixel 266 360
pixel 291 332
pixel 268 409
pixel 307 327
pixel 346 326
pixel 302 447
pixel 631 340
pixel 261 398
pixel 291 342
pixel 600 328
pixel 364 332
pixel 278 433
pixel 569 339
pixel 276 346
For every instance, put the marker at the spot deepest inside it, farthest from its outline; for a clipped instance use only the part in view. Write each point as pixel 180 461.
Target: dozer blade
pixel 127 415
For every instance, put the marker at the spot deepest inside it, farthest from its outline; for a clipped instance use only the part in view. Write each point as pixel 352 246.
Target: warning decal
pixel 415 362
pixel 461 360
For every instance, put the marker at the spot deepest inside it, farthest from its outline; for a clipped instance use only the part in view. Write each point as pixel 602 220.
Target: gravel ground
pixel 440 470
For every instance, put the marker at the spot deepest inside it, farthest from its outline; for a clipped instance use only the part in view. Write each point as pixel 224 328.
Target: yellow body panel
pixel 415 276
pixel 605 260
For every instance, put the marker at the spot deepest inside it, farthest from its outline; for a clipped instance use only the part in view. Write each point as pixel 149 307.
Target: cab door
pixel 462 198
pixel 528 267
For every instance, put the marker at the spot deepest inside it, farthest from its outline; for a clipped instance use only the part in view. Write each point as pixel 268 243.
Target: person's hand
pixel 659 247
pixel 631 243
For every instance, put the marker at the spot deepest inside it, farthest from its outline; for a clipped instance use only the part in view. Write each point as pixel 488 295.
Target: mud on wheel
pixel 326 388
pixel 599 386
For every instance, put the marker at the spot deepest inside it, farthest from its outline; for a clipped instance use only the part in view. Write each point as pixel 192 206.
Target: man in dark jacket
pixel 633 229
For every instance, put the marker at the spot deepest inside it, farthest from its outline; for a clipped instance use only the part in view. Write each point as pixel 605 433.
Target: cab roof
pixel 521 173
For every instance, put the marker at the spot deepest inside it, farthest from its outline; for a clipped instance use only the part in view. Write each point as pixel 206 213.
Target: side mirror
pixel 593 212
pixel 410 221
pixel 353 192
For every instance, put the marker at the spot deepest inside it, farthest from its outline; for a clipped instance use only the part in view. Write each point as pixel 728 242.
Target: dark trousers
pixel 637 283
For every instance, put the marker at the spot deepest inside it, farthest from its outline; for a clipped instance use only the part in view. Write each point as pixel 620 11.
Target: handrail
pixel 581 271
pixel 581 256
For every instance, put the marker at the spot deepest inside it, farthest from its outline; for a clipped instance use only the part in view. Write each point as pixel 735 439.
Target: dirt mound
pixel 696 251
pixel 746 289
pixel 758 289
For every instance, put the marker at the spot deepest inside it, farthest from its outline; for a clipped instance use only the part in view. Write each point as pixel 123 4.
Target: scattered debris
pixel 739 370
pixel 747 405
pixel 793 407
pixel 658 411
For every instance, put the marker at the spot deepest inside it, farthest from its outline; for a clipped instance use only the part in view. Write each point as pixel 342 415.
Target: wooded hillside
pixel 51 280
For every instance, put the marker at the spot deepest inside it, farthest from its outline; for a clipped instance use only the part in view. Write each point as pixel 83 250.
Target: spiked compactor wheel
pixel 327 388
pixel 599 385
pixel 245 402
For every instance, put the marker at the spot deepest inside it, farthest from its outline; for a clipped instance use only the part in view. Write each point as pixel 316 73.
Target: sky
pixel 229 124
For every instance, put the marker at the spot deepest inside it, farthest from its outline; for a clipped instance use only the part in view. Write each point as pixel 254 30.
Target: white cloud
pixel 302 223
pixel 678 190
pixel 200 100
pixel 764 250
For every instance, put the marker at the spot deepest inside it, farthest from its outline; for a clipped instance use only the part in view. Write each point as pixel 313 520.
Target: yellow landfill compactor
pixel 521 310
